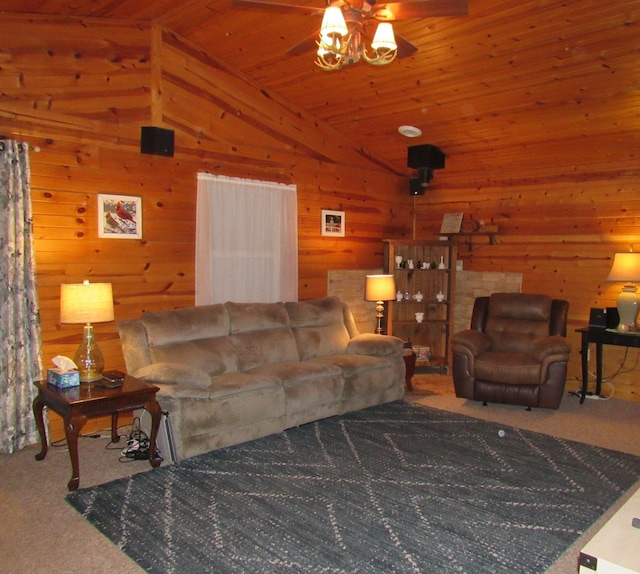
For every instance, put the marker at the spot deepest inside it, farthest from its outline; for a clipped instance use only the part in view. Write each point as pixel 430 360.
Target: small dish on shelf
pixel 468 226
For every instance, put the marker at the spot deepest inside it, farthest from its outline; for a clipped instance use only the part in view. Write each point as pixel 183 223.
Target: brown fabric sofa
pixel 234 372
pixel 515 351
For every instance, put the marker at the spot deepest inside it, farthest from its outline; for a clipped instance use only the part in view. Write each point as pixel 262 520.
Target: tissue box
pixel 62 380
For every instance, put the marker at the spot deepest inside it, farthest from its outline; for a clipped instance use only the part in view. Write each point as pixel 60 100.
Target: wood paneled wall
pixel 561 236
pixel 80 90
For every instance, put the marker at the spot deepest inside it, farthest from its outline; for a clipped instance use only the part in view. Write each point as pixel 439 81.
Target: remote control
pixel 113 376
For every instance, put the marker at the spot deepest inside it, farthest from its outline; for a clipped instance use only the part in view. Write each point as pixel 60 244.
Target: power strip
pixel 593 397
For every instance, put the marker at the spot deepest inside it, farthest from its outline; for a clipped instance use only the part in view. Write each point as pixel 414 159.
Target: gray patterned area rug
pixel 398 488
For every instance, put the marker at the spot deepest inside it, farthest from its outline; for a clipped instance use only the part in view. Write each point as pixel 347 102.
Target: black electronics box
pixel 598 318
pixel 604 318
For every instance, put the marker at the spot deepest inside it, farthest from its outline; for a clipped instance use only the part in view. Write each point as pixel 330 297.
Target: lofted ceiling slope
pixel 504 87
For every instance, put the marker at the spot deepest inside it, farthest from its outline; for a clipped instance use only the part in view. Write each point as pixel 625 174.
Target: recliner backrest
pixel 516 320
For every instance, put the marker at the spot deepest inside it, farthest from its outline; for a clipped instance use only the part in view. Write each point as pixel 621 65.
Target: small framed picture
pixel 451 223
pixel 332 223
pixel 119 216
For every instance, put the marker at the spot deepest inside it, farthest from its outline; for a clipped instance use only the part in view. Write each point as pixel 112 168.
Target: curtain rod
pixel 36 148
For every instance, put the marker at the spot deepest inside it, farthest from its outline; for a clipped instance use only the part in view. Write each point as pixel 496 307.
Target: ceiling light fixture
pixel 341 41
pixel 410 131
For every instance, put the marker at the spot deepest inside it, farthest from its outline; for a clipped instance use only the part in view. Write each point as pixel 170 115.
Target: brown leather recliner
pixel 515 351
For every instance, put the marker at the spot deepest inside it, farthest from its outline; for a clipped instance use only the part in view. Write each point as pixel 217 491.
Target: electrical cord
pixel 137 447
pixel 608 380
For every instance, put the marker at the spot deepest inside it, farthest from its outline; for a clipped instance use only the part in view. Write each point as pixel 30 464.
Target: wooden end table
pixel 76 404
pixel 410 368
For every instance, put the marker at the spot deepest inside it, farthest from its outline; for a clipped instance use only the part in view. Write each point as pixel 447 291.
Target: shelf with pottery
pixel 424 272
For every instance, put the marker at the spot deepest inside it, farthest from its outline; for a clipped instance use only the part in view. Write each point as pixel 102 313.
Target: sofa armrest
pixel 374 345
pixel 470 342
pixel 174 374
pixel 547 346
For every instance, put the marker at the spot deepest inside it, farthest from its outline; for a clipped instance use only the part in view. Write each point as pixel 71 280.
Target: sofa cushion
pixel 174 374
pixel 189 324
pixel 364 374
pixel 307 385
pixel 248 317
pixel 318 327
pixel 232 386
pixel 214 356
pixel 195 336
pixel 260 334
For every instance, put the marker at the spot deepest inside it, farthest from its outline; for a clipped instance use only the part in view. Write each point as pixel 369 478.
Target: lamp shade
pixel 86 302
pixel 625 268
pixel 384 37
pixel 333 23
pixel 379 288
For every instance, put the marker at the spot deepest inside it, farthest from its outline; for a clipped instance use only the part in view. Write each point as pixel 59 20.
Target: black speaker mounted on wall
pixel 156 141
pixel 425 156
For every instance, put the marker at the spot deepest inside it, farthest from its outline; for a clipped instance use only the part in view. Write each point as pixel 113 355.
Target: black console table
pixel 601 336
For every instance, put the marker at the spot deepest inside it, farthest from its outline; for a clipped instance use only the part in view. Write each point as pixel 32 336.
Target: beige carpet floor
pixel 41 533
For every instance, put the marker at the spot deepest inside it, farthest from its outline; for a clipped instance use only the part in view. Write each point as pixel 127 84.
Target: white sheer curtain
pixel 246 241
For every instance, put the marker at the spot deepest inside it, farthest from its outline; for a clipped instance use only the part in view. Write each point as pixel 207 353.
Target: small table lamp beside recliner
pixel 515 351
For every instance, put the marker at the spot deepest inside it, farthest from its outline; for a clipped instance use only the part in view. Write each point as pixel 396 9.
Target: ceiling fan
pixel 347 23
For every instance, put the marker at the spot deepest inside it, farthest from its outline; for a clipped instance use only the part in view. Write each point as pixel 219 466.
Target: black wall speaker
pixel 426 155
pixel 156 141
pixel 415 186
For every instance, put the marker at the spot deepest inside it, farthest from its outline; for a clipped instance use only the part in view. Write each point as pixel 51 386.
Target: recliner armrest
pixel 374 345
pixel 174 374
pixel 553 345
pixel 470 341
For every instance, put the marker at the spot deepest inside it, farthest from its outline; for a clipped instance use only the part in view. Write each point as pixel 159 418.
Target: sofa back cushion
pixel 318 327
pixel 516 320
pixel 195 336
pixel 261 334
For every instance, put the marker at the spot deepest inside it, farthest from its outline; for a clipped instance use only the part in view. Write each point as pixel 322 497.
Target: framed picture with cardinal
pixel 119 216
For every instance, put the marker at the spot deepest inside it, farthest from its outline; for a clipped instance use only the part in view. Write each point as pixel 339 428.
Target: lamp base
pixel 379 316
pixel 89 358
pixel 627 308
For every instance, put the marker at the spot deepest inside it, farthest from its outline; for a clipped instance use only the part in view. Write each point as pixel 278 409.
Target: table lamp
pixel 87 303
pixel 379 288
pixel 626 269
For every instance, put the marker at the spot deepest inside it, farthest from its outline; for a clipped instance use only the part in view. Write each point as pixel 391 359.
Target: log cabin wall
pixel 81 89
pixel 560 232
pixel 78 92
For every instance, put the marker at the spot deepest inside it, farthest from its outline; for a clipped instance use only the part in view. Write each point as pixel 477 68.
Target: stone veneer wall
pixel 472 284
pixel 348 285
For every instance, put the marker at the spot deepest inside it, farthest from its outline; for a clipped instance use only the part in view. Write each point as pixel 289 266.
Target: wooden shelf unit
pixel 436 328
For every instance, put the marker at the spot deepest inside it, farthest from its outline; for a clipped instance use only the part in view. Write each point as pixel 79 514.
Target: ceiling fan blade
pixel 278 7
pixel 306 45
pixel 405 48
pixel 420 9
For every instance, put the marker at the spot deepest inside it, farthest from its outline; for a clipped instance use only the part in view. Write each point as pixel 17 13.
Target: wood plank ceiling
pixel 492 86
